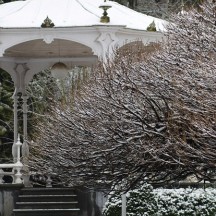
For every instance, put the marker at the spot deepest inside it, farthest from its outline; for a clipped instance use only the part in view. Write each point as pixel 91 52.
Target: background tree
pixel 161 8
pixel 140 118
pixel 38 103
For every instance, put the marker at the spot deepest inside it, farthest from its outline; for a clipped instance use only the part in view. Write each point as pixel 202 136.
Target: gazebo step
pixel 47 202
pixel 47 198
pixel 46 205
pixel 46 212
pixel 47 191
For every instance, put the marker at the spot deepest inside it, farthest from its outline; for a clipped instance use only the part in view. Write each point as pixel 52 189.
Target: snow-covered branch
pixel 152 118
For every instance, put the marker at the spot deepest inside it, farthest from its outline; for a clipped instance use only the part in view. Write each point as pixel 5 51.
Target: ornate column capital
pixel 20 75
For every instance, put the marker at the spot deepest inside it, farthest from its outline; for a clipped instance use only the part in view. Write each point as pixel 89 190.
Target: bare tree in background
pixel 140 118
pixel 161 8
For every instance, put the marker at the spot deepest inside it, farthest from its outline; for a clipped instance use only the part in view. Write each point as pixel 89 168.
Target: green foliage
pixel 113 205
pixel 140 202
pixel 164 202
pixel 6 114
pixel 186 202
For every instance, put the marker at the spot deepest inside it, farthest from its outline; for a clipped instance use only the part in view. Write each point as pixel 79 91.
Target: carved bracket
pixel 48 35
pixel 108 40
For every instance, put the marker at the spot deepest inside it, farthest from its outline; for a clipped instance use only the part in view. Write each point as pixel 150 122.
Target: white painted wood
pixel 124 205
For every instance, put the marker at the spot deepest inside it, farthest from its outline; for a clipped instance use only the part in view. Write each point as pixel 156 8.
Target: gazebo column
pixel 25 111
pixel 14 152
pixel 20 86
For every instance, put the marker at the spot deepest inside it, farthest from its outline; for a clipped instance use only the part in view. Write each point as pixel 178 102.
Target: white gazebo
pixel 36 34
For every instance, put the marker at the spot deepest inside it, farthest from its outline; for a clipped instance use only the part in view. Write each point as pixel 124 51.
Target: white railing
pixel 16 167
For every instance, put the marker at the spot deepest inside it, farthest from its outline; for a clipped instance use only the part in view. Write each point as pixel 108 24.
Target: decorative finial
pixel 152 27
pixel 105 7
pixel 47 23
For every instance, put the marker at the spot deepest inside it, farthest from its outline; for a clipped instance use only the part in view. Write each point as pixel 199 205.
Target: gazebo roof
pixel 78 37
pixel 72 13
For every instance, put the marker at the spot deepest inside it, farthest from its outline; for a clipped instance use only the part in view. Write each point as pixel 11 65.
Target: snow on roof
pixel 71 13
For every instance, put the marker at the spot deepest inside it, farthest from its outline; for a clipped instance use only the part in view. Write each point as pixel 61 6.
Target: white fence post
pixel 124 205
pixel 49 180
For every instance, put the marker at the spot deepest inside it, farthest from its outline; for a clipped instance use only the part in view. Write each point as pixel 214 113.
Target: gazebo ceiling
pixel 40 49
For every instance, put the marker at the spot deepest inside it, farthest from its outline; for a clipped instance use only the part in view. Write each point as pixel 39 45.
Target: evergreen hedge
pixel 147 201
